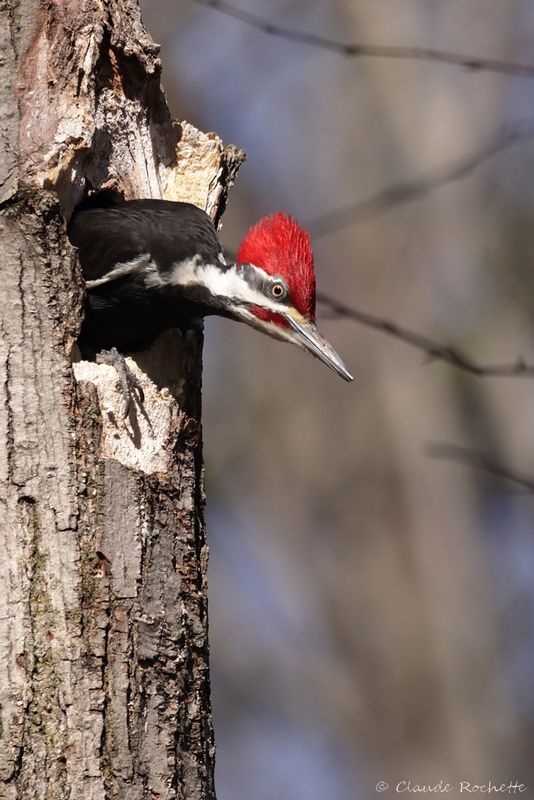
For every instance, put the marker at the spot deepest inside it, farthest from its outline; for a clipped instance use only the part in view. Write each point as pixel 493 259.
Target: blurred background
pixel 371 607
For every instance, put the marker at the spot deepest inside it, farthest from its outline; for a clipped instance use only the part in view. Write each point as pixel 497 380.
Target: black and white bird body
pixel 150 265
pixel 128 254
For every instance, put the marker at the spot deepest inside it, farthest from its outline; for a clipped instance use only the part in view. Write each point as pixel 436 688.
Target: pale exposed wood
pixel 104 682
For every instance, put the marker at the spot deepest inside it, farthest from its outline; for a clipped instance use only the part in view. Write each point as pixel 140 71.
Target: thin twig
pixel 355 50
pixel 432 349
pixel 401 193
pixel 482 461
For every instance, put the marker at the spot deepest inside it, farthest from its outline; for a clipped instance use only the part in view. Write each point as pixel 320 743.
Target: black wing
pixel 168 231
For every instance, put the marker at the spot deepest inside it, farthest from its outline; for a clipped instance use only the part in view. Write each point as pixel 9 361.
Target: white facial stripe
pixel 140 263
pixel 265 326
pixel 229 283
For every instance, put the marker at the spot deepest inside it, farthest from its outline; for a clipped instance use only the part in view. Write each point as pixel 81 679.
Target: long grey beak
pixel 308 336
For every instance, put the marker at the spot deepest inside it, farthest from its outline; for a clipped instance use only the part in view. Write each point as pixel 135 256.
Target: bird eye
pixel 278 290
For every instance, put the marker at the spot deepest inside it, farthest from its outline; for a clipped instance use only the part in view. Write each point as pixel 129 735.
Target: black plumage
pixel 128 312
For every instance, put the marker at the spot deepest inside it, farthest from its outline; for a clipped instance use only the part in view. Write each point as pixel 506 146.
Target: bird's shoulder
pixel 169 231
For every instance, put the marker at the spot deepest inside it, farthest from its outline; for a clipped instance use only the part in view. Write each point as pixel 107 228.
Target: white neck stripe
pixel 230 283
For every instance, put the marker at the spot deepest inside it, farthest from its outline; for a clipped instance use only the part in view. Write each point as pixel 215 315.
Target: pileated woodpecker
pixel 151 264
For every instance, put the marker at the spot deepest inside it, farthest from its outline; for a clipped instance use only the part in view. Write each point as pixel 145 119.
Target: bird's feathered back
pixel 280 246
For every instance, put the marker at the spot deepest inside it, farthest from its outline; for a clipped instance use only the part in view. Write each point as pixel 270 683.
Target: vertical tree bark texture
pixel 104 682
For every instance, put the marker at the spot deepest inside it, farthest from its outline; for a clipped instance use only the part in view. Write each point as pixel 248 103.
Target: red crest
pixel 280 246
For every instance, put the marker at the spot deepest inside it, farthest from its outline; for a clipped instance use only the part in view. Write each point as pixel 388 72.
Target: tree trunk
pixel 104 678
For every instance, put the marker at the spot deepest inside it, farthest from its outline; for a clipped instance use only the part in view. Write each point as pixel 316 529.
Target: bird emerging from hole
pixel 150 265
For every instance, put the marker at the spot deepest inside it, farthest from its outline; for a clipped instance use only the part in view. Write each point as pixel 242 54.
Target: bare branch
pixel 432 349
pixel 355 50
pixel 482 461
pixel 401 193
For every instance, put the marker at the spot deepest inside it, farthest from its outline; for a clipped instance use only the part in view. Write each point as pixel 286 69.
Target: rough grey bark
pixel 104 681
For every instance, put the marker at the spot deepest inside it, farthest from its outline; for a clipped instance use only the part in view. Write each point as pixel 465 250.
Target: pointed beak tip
pixel 340 369
pixel 309 337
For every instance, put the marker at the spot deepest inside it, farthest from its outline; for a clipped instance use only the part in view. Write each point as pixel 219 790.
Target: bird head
pixel 271 286
pixel 275 262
